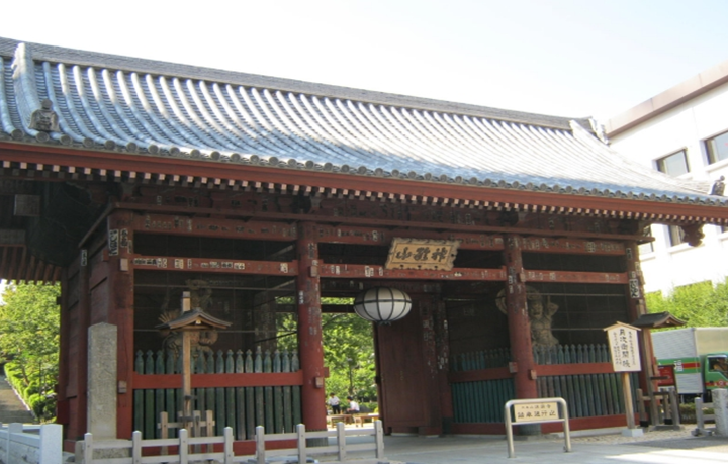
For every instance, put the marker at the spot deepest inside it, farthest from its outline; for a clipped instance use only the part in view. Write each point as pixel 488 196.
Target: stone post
pixel 51 444
pixel 720 405
pixel 101 409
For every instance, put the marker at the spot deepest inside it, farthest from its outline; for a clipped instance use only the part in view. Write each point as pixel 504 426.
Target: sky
pixel 563 57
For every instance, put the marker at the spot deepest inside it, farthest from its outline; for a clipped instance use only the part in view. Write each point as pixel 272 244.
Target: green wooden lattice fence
pixel 277 408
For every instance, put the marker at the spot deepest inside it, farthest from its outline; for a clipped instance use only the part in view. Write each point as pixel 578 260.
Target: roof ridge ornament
pixel 26 93
pixel 718 186
pixel 598 129
pixel 45 118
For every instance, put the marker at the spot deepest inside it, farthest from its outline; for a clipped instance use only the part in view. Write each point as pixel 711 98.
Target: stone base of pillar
pixel 101 406
pixel 633 432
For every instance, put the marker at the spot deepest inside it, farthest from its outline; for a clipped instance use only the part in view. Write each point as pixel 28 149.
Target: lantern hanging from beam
pixel 382 304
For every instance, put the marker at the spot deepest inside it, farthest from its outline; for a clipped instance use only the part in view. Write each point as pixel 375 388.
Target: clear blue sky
pixel 564 57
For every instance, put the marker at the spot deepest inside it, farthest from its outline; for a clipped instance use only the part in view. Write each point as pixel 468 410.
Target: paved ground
pixel 11 408
pixel 605 447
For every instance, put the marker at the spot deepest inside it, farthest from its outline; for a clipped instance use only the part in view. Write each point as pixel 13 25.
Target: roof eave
pixel 510 197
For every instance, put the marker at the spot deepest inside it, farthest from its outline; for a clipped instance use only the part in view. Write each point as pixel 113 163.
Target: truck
pixel 699 357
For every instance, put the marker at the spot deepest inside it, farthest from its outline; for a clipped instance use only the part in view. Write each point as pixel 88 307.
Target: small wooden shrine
pixel 513 235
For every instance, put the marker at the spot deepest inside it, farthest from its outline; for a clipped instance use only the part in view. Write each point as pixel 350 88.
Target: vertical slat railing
pixel 241 433
pixel 158 396
pixel 277 396
pixel 149 429
pixel 230 406
pixel 586 394
pixel 287 398
pixel 259 399
pixel 170 401
pixel 250 422
pixel 139 395
pixel 268 393
pixel 239 408
pixel 219 397
pixel 295 392
pixel 201 368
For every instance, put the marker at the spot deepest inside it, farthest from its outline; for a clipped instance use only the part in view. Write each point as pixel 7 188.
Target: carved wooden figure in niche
pixel 200 342
pixel 539 315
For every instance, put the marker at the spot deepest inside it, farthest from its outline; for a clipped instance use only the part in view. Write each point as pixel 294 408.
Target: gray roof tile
pixel 110 102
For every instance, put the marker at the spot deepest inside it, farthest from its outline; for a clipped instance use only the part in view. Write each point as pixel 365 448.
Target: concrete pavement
pixel 609 447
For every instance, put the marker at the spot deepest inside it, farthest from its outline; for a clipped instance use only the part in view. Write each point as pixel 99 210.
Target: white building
pixel 682 132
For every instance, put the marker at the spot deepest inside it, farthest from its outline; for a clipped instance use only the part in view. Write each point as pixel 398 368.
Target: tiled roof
pixel 137 106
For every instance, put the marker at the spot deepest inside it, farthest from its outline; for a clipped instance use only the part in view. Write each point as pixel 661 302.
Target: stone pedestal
pixel 101 409
pixel 720 405
pixel 636 432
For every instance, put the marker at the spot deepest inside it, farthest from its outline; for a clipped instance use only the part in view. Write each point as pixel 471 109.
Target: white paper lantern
pixel 382 304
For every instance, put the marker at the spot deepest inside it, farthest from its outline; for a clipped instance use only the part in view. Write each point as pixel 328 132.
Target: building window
pixel 675 164
pixel 717 148
pixel 677 235
pixel 646 247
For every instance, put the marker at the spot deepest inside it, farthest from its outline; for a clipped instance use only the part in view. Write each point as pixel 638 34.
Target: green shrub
pixel 30 389
pixel 371 406
pixel 35 402
pixel 12 372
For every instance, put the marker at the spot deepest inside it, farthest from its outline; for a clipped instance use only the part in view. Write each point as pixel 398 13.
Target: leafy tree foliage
pixel 30 330
pixel 701 304
pixel 348 351
pixel 29 342
pixel 349 355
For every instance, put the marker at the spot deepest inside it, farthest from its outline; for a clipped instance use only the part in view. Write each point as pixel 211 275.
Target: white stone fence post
pixel 31 444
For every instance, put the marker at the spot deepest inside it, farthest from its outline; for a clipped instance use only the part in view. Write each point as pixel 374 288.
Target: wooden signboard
pixel 408 253
pixel 536 412
pixel 624 347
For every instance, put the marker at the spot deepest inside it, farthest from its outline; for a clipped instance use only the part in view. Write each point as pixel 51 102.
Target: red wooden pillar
pixel 519 325
pixel 310 336
pixel 636 307
pixel 442 340
pixel 84 317
pixel 62 405
pixel 120 312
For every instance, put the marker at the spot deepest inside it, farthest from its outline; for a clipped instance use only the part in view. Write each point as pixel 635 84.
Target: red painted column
pixel 636 307
pixel 84 316
pixel 120 309
pixel 310 336
pixel 63 402
pixel 519 325
pixel 442 339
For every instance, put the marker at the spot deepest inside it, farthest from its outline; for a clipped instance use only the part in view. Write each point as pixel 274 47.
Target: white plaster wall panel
pixel 657 137
pixel 687 126
pixel 710 112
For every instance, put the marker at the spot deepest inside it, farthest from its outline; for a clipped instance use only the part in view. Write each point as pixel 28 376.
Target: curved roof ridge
pixel 54 53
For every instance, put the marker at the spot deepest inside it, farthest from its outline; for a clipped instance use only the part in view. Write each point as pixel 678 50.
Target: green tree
pixel 348 350
pixel 701 304
pixel 349 355
pixel 30 332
